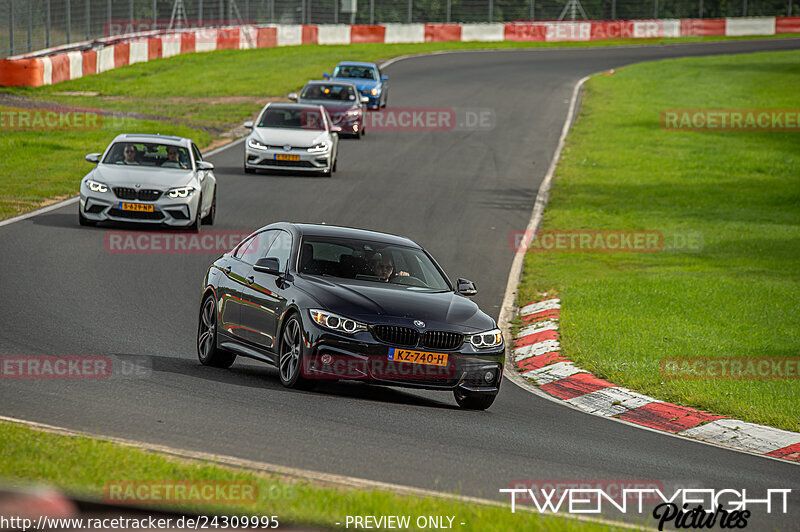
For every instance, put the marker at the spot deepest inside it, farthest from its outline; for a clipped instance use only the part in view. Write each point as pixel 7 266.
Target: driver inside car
pixel 383 266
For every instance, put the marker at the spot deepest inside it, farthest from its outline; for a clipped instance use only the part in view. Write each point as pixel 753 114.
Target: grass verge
pixel 737 293
pixel 83 467
pixel 196 95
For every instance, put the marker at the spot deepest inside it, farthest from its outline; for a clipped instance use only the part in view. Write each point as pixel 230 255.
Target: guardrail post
pixel 30 25
pixel 69 22
pixel 335 11
pixel 410 4
pixel 130 12
pixel 447 14
pixel 11 27
pixel 655 8
pixel 155 13
pixel 47 24
pixel 491 10
pixel 309 12
pixel 372 11
pixel 700 15
pixel 109 13
pixel 744 8
pixel 533 10
pixel 89 20
pixel 613 9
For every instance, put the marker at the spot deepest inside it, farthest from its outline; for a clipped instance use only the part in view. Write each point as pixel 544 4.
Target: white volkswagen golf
pixel 153 179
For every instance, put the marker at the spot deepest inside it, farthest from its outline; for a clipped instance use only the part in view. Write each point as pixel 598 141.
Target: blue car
pixel 367 78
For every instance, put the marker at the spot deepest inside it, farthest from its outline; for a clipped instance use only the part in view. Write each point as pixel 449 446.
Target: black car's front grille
pixel 396 335
pixel 135 215
pixel 127 193
pixel 440 340
pixel 275 162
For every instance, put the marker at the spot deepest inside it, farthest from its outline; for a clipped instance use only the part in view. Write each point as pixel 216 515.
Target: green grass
pixel 38 165
pixel 195 95
pixel 738 294
pixel 83 467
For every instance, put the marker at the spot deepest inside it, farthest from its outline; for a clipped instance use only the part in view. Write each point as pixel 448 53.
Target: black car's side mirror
pixel 465 287
pixel 268 265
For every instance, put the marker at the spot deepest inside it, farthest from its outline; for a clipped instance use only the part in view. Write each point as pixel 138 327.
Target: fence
pixel 31 25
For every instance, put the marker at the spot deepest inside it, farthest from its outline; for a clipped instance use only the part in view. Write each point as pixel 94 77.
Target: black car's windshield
pixel 370 261
pixel 317 91
pixel 148 154
pixel 292 118
pixel 353 71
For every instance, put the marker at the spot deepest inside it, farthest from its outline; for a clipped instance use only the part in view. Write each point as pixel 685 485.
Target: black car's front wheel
pixel 474 401
pixel 207 350
pixel 291 355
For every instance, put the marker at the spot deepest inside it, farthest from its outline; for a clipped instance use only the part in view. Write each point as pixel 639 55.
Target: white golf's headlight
pixel 253 143
pixel 96 186
pixel 180 192
pixel 486 339
pixel 334 322
pixel 319 148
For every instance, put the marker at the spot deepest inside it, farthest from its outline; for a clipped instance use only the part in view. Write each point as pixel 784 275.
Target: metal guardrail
pixel 26 26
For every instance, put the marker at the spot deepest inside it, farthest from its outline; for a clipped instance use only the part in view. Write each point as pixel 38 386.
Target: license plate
pixel 136 207
pixel 417 357
pixel 286 157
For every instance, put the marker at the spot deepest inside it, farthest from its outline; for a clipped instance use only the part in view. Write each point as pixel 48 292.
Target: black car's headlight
pixel 334 322
pixel 486 339
pixel 180 192
pixel 96 186
pixel 253 143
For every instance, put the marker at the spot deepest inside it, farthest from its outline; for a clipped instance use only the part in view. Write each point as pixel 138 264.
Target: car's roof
pixel 333 81
pixel 292 105
pixel 147 137
pixel 351 232
pixel 356 63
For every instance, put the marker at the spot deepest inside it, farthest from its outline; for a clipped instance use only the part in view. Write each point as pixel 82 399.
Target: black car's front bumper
pixel 361 357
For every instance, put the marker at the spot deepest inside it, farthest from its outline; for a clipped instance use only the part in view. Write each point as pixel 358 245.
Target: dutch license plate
pixel 417 357
pixel 135 207
pixel 286 157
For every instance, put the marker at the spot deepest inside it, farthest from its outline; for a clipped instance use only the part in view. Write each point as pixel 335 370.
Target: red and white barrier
pixel 56 65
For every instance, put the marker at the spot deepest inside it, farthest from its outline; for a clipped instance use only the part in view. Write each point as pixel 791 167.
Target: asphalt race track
pixel 459 194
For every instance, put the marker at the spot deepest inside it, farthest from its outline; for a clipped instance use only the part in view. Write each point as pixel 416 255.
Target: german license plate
pixel 417 357
pixel 135 207
pixel 286 157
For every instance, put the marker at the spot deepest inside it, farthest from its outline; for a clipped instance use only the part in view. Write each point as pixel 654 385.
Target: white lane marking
pixel 610 401
pixel 553 372
pixel 744 435
pixel 540 306
pixel 546 325
pixel 74 199
pixel 305 474
pixel 539 348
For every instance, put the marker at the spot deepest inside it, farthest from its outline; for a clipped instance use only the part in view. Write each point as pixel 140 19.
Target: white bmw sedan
pixel 153 179
pixel 292 136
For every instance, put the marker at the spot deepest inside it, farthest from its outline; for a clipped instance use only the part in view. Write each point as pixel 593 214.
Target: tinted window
pixel 357 72
pixel 318 91
pixel 255 247
pixel 370 261
pixel 281 249
pixel 292 118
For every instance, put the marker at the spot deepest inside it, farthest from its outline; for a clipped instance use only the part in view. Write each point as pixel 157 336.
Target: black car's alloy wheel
pixel 471 401
pixel 291 355
pixel 207 350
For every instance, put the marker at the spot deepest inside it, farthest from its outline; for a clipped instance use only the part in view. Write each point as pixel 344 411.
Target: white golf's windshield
pixel 148 154
pixel 370 261
pixel 316 91
pixel 292 118
pixel 354 71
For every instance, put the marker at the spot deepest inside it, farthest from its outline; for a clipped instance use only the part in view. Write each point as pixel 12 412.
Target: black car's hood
pixel 386 303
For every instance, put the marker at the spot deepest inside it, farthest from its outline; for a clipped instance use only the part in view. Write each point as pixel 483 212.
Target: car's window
pixel 148 154
pixel 197 155
pixel 353 71
pixel 281 249
pixel 292 118
pixel 334 92
pixel 370 261
pixel 255 247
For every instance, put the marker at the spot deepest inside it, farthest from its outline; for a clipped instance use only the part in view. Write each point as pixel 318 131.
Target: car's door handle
pixel 227 269
pixel 250 279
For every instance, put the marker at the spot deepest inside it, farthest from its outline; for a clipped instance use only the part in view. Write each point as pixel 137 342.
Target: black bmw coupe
pixel 323 302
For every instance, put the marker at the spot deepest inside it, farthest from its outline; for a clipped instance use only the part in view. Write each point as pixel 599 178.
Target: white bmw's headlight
pixel 334 322
pixel 486 339
pixel 180 192
pixel 96 186
pixel 319 148
pixel 253 143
